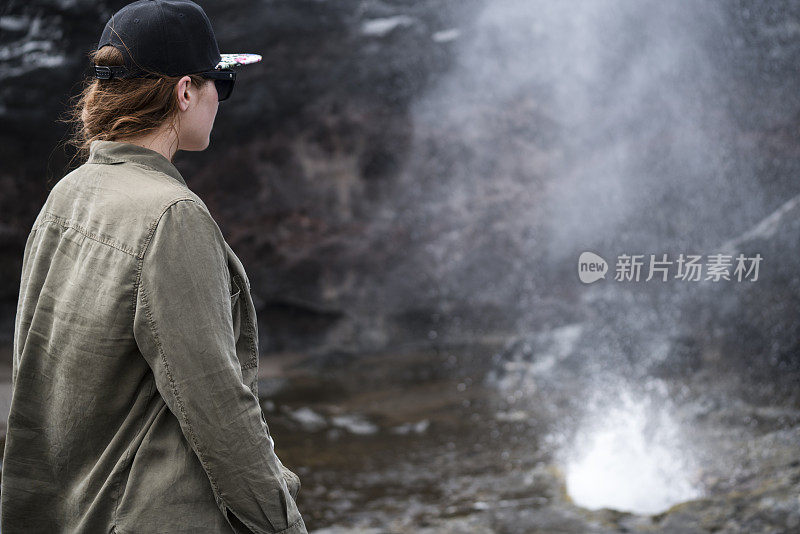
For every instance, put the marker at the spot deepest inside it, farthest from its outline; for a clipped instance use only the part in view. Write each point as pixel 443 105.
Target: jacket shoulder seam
pixel 140 256
pixel 151 230
pixel 67 223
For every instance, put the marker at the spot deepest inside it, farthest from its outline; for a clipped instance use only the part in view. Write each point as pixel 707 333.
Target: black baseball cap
pixel 166 37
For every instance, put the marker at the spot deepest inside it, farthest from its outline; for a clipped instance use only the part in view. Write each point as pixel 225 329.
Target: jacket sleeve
pixel 183 327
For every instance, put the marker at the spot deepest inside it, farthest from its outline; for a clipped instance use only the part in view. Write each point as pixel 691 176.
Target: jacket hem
pixel 297 527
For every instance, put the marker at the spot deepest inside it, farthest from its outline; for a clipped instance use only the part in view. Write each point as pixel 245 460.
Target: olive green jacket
pixel 135 404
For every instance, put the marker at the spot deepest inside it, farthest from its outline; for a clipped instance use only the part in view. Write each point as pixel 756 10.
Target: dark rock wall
pixel 428 171
pixel 307 147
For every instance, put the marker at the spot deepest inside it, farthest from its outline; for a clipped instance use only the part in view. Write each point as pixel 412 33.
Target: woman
pixel 135 404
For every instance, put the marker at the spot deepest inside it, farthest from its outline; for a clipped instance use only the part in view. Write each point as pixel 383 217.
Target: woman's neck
pixel 163 141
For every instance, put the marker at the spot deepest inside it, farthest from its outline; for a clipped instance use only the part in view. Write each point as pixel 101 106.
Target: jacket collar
pixel 110 152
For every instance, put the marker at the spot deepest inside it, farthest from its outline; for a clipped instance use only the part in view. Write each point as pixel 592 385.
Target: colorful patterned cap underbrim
pixel 237 60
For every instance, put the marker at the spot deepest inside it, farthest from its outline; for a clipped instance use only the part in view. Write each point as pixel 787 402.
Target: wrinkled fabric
pixel 135 395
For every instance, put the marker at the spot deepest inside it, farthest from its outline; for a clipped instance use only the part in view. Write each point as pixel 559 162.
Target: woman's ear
pixel 185 92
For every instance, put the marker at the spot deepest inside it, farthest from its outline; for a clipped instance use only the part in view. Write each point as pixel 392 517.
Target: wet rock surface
pixel 435 441
pixel 440 446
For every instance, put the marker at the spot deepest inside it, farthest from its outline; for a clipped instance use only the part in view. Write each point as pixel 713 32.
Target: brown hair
pixel 120 108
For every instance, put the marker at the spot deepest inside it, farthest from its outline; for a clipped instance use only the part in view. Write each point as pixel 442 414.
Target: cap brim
pixel 237 60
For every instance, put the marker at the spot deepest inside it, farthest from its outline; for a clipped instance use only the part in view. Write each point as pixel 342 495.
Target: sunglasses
pixel 224 81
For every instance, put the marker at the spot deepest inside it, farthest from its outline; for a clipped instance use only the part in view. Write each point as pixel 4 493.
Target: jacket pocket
pixel 244 327
pixel 236 315
pixel 235 291
pixel 292 481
